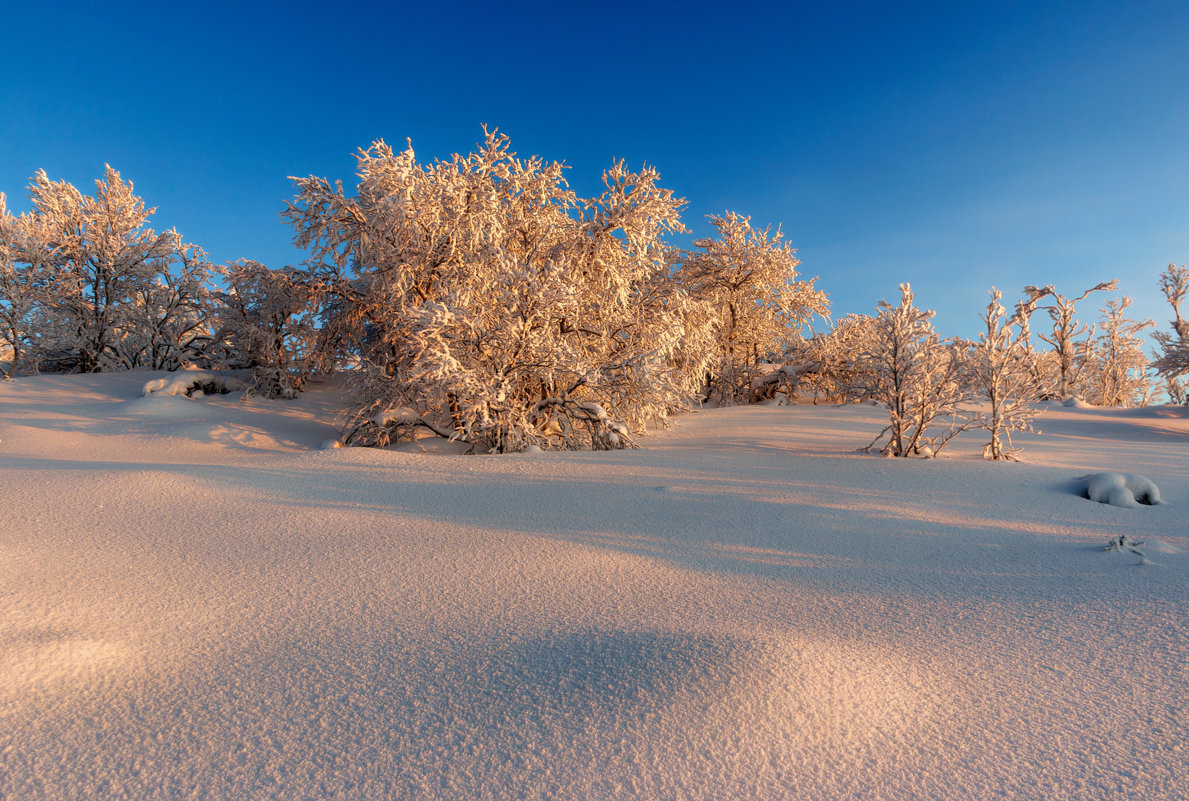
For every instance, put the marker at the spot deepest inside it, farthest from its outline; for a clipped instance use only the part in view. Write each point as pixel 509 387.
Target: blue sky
pixel 954 145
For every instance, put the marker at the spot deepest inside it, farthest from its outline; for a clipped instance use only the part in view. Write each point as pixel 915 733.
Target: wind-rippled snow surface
pixel 199 604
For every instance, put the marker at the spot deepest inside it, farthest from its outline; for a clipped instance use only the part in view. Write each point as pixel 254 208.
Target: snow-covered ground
pixel 196 602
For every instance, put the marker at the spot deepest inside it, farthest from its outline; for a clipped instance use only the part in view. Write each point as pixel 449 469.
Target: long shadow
pixel 1166 424
pixel 773 523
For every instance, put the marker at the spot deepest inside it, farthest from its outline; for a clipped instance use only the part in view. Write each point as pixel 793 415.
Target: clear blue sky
pixel 954 145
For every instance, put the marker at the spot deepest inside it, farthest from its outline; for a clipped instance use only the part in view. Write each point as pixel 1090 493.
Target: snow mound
pixel 1076 403
pixel 1122 489
pixel 193 385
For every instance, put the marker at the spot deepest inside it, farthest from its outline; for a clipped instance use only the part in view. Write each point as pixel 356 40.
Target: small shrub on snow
pixel 915 375
pixel 998 369
pixel 825 365
pixel 1118 373
pixel 1072 341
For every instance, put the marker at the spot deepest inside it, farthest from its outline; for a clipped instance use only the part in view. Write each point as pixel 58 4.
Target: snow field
pixel 198 603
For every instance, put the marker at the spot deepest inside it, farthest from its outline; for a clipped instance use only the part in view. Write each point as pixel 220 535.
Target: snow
pixel 189 383
pixel 1122 489
pixel 197 602
pixel 400 415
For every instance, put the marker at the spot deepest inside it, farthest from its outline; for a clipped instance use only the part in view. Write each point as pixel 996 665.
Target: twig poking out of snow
pixel 193 385
pixel 1123 543
pixel 1122 489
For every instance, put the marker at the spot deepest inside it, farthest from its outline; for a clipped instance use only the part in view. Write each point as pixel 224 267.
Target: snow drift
pixel 196 602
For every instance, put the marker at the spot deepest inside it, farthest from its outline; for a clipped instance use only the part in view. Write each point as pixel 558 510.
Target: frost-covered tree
pixel 1042 364
pixel 825 364
pixel 19 289
pixel 484 300
pixel 750 277
pixel 1117 374
pixel 169 314
pixel 28 290
pixel 100 254
pixel 999 369
pixel 915 375
pixel 1172 356
pixel 267 319
pixel 1071 341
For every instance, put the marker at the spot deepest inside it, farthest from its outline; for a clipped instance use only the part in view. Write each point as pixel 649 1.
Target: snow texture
pixel 196 602
pixel 1122 489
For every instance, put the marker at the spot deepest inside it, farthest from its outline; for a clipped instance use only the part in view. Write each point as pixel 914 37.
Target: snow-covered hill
pixel 196 602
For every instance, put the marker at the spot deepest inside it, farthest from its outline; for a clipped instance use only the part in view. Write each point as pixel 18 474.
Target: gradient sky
pixel 954 145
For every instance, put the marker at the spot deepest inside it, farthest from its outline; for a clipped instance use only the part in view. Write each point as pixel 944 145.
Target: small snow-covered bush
pixel 915 375
pixel 998 371
pixel 825 366
pixel 1117 375
pixel 385 427
pixel 1072 341
pixel 1122 489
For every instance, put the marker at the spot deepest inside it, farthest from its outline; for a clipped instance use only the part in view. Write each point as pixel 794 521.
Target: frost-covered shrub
pixel 168 320
pixel 825 366
pixel 999 369
pixel 102 257
pixel 19 289
pixel 1117 374
pixel 1172 358
pixel 749 278
pixel 915 375
pixel 266 320
pixel 1072 342
pixel 483 294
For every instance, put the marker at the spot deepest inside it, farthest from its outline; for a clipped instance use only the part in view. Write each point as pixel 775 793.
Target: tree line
pixel 935 388
pixel 482 299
